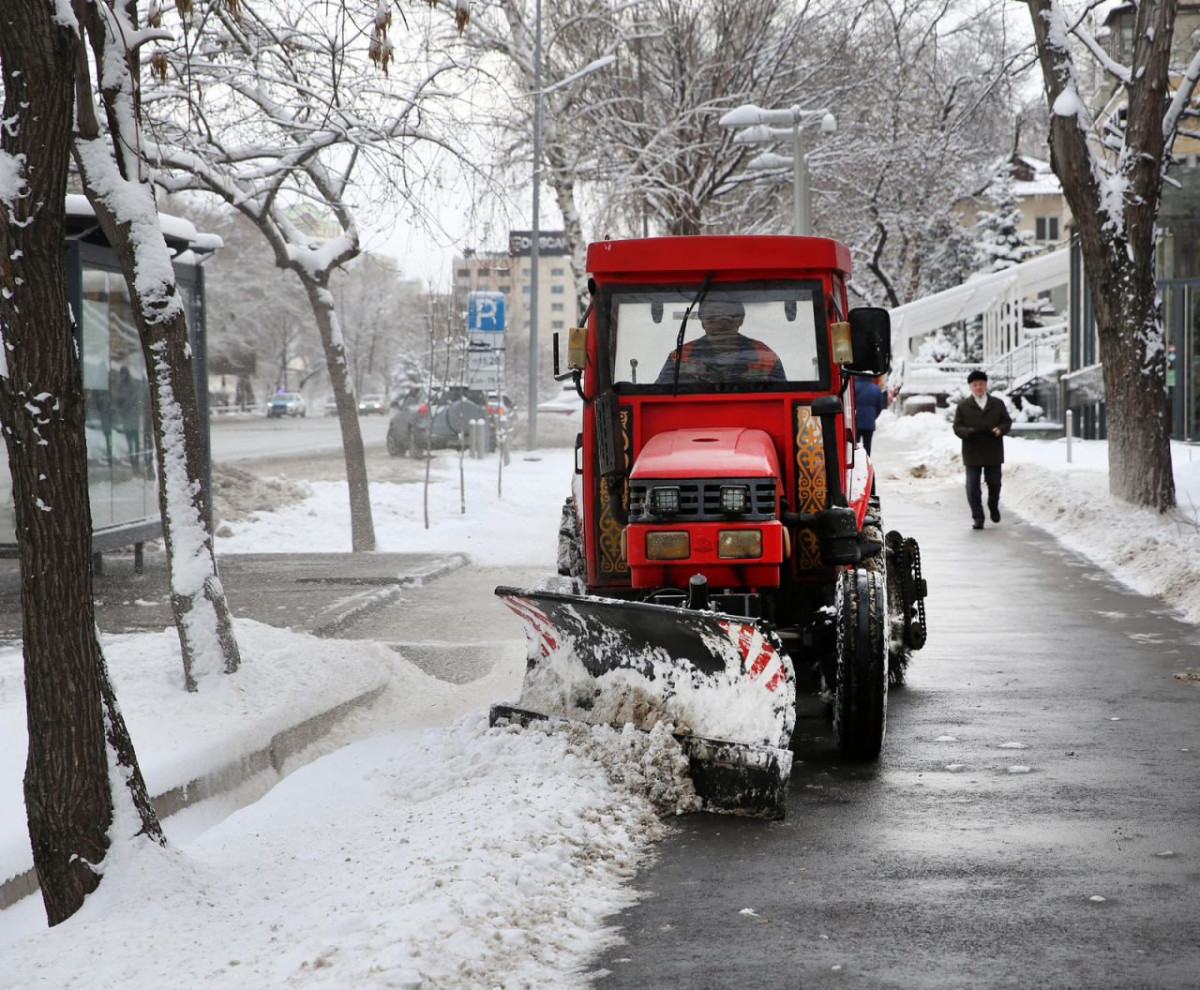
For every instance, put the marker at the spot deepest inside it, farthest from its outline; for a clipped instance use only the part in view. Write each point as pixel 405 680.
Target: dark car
pixel 422 421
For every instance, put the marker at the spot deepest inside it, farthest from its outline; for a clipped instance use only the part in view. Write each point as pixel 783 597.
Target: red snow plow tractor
pixel 723 547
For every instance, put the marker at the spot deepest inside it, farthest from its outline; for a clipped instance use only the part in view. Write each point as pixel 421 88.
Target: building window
pixel 557 272
pixel 463 272
pixel 556 307
pixel 1046 229
pixel 557 290
pixel 525 290
pixel 556 324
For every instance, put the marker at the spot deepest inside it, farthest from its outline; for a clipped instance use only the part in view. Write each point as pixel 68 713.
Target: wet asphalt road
pixel 1034 821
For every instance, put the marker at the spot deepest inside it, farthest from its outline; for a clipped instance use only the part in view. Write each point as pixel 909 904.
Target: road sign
pixel 485 312
pixel 485 369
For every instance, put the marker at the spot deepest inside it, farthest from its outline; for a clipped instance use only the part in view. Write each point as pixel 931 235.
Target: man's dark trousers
pixel 991 477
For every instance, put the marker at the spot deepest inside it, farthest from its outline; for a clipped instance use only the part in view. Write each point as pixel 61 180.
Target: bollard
pixel 502 439
pixel 1070 423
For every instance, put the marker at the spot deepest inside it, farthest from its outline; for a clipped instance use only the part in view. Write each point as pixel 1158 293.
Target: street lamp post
pixel 534 247
pixel 771 125
pixel 534 260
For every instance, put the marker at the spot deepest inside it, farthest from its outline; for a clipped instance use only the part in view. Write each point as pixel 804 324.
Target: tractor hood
pixel 732 452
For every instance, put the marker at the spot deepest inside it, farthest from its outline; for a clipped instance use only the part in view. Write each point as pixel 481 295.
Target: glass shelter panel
pixel 122 471
pixel 121 467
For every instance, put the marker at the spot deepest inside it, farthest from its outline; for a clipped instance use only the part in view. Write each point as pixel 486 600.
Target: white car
pixel 566 403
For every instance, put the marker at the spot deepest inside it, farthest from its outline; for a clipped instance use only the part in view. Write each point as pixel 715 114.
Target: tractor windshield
pixel 743 337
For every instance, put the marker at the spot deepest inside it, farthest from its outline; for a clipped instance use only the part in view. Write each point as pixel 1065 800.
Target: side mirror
pixel 871 338
pixel 827 405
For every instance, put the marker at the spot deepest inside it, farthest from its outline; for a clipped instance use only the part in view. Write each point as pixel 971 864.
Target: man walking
pixel 980 421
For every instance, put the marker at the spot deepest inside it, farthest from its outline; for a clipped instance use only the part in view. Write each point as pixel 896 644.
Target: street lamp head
pixel 756 134
pixel 828 123
pixel 742 116
pixel 768 160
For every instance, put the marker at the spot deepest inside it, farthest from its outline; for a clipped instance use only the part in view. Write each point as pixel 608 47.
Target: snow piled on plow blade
pixel 720 682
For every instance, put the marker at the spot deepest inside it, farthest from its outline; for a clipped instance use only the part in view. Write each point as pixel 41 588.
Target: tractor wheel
pixel 898 652
pixel 571 559
pixel 860 692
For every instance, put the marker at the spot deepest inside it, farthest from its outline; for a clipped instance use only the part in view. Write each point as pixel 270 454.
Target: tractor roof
pixel 752 257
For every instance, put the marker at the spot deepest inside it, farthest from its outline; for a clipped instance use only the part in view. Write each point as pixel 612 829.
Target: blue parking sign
pixel 485 312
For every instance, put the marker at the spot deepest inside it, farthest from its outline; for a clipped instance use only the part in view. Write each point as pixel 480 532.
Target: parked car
pixel 424 422
pixel 286 404
pixel 566 403
pixel 499 404
pixel 330 406
pixel 372 403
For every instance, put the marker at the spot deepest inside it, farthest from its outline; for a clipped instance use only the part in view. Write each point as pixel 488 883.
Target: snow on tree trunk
pixel 1114 200
pixel 83 788
pixel 112 171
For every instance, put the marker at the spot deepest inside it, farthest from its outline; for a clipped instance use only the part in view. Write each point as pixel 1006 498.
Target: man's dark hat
pixel 977 376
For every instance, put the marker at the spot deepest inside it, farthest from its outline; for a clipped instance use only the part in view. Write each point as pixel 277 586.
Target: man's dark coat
pixel 981 447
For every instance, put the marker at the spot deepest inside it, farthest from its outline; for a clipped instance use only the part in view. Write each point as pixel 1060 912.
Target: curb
pixel 365 602
pixel 270 759
pixel 287 742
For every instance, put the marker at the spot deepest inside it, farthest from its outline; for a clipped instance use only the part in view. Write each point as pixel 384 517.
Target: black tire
pixel 572 562
pixel 860 691
pixel 884 563
pixel 459 415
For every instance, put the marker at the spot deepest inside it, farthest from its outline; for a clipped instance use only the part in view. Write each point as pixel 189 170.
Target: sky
pixel 417 847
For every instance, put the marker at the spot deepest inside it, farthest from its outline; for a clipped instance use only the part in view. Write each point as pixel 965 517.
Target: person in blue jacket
pixel 869 401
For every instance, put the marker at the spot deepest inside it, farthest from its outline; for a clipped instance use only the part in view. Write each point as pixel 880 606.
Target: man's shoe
pixel 977 524
pixel 995 511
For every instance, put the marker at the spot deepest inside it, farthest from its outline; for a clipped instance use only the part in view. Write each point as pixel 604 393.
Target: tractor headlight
pixel 674 545
pixel 735 499
pixel 733 543
pixel 664 501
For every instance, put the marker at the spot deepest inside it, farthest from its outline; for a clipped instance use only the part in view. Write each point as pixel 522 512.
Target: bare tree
pixel 269 109
pixel 83 788
pixel 925 111
pixel 1111 165
pixel 115 182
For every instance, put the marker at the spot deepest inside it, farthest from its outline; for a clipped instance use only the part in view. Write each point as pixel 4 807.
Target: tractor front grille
pixel 700 500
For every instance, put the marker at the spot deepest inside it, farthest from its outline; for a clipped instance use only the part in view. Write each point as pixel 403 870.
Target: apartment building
pixel 510 272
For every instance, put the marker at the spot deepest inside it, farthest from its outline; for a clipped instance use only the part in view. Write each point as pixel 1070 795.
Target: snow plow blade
pixel 721 681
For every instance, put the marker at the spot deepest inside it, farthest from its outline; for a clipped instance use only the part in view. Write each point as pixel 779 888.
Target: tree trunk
pixel 68 789
pixel 1116 223
pixel 202 615
pixel 124 203
pixel 362 524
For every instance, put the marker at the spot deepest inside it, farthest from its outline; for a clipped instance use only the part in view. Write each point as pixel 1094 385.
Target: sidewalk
pixel 317 594
pixel 313 593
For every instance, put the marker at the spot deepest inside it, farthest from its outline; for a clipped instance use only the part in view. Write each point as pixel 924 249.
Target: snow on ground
pixel 432 851
pixel 1152 554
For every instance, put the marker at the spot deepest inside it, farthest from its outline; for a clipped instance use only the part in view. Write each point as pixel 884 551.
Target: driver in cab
pixel 723 354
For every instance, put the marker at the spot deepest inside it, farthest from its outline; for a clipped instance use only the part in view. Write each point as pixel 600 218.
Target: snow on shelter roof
pixel 180 234
pixel 697 256
pixel 972 298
